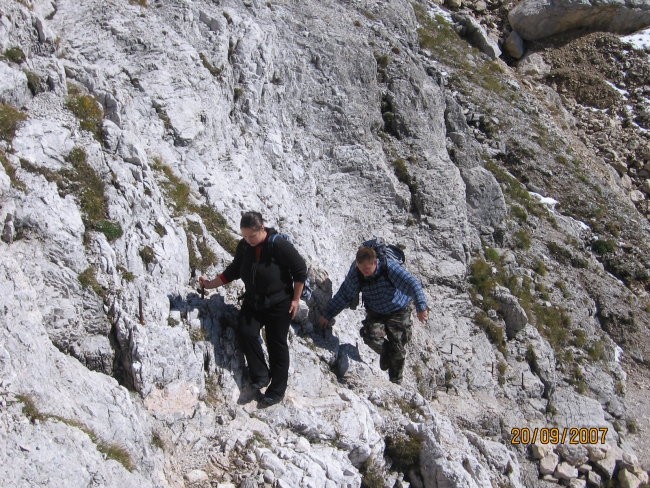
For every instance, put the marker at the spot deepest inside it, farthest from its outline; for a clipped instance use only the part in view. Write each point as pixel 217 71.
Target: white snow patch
pixel 618 353
pixel 548 201
pixel 640 39
pixel 625 93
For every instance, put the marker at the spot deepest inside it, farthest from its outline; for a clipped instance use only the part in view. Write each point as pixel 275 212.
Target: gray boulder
pixel 477 36
pixel 513 314
pixel 484 198
pixel 13 86
pixel 537 19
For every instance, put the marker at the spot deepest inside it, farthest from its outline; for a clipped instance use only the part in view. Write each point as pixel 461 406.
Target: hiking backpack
pixel 306 290
pixel 384 253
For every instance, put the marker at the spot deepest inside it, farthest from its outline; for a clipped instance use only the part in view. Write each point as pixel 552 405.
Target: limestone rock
pixel 574 454
pixel 484 197
pixel 548 464
pixel 476 35
pixel 513 314
pixel 13 86
pixel 627 479
pixel 514 45
pixel 565 471
pixel 537 19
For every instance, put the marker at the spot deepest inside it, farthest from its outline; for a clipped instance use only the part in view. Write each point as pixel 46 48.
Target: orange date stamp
pixel 558 435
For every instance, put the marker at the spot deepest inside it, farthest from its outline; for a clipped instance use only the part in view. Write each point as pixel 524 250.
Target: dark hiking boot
pixel 271 399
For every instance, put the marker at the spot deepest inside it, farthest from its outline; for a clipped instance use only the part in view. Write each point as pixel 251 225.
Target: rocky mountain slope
pixel 132 136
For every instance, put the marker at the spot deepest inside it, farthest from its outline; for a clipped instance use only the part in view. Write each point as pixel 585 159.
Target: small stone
pixel 637 196
pixel 302 445
pixel 196 476
pixel 576 483
pixel 574 454
pixel 606 466
pixel 594 478
pixel 565 471
pixel 269 477
pixel 548 464
pixel 596 453
pixel 540 451
pixel 627 479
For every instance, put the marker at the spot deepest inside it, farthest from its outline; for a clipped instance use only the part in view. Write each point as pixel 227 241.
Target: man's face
pixel 367 268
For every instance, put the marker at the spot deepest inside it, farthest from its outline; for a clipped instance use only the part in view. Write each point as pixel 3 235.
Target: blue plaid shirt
pixel 382 295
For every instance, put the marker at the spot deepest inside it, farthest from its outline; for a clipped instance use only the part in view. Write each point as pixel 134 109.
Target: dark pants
pixel 388 335
pixel 276 320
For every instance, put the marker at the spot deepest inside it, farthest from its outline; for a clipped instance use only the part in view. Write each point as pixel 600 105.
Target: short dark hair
pixel 251 220
pixel 365 254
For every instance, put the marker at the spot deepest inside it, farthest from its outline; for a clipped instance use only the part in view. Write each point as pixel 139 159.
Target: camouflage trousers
pixel 388 335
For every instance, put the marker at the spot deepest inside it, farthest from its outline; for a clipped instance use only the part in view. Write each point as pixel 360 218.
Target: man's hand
pixel 293 308
pixel 204 282
pixel 423 315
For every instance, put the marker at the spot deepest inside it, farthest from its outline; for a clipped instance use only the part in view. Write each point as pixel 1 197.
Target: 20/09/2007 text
pixel 558 435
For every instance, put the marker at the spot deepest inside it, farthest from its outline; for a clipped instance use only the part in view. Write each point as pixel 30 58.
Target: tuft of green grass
pixel 114 451
pixel 34 83
pixel 214 71
pixel 540 268
pixel 579 338
pixel 112 230
pixel 88 279
pixel 147 254
pixel 160 229
pixel 15 55
pixel 495 334
pixel 198 334
pixel 481 277
pixel 87 110
pixel 373 477
pixel 157 441
pixel 110 450
pixel 493 256
pixel 126 275
pixel 29 408
pixel 162 115
pixel 522 239
pixel 383 60
pixel 517 193
pixel 502 367
pixel 554 324
pixel 404 452
pixel 596 351
pixel 577 379
pixel 83 181
pixel 632 426
pixel 180 196
pixel 602 246
pixel 10 118
pixel 11 172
